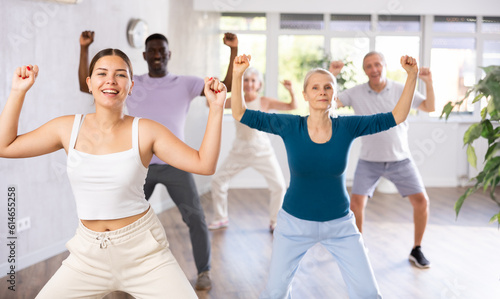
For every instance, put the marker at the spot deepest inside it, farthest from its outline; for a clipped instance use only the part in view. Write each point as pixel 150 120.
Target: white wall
pixel 47 34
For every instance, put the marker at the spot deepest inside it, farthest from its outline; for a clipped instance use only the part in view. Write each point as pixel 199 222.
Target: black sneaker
pixel 418 258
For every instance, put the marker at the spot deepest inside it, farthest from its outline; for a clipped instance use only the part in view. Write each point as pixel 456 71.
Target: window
pixel 248 43
pixel 453 65
pixel 253 44
pixel 393 47
pixel 242 21
pixel 302 21
pixel 351 51
pixel 491 52
pixel 399 23
pixel 454 24
pixel 446 44
pixel 297 55
pixel 491 24
pixel 350 22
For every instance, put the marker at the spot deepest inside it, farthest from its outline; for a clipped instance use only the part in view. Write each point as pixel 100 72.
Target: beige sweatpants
pixel 134 259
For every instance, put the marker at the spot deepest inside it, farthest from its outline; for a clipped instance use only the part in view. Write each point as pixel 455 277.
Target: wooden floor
pixel 465 253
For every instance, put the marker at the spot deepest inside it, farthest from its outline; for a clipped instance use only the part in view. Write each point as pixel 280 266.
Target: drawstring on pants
pixel 104 238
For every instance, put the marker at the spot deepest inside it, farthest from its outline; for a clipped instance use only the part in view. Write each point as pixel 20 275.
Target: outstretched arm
pixel 429 104
pixel 176 153
pixel 279 105
pixel 238 107
pixel 230 40
pixel 86 39
pixel 41 141
pixel 403 106
pixel 336 67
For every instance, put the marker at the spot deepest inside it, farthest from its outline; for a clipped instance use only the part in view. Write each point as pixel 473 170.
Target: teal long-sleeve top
pixel 317 190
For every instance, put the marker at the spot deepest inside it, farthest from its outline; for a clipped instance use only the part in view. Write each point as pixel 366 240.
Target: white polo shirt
pixel 387 146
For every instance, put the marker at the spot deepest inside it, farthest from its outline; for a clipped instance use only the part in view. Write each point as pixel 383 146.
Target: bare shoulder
pixel 146 123
pixel 62 123
pixel 62 126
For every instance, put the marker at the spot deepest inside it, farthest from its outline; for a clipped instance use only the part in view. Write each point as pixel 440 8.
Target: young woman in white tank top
pixel 251 148
pixel 108 156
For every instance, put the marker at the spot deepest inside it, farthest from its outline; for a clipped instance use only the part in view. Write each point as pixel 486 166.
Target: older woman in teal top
pixel 316 205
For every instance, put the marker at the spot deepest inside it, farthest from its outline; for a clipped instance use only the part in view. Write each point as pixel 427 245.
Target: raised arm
pixel 86 39
pixel 238 106
pixel 279 105
pixel 176 153
pixel 336 68
pixel 403 106
pixel 429 104
pixel 230 40
pixel 41 141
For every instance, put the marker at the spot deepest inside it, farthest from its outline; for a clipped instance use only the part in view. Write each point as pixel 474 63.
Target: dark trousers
pixel 182 189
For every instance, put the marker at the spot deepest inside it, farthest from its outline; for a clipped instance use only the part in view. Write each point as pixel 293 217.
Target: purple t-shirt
pixel 165 100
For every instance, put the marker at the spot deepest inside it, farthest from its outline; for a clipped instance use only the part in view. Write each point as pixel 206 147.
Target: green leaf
pixel 447 110
pixel 477 98
pixel 487 130
pixel 489 180
pixel 495 218
pixel 488 69
pixel 460 201
pixel 494 115
pixel 484 112
pixel 491 108
pixel 479 179
pixel 492 190
pixel 491 164
pixel 491 150
pixel 471 156
pixel 473 133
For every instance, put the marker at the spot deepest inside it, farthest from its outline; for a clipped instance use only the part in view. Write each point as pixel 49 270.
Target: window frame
pixel 426 35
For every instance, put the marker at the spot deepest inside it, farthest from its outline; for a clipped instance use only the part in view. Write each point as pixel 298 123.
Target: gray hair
pixel 332 109
pixel 320 71
pixel 253 71
pixel 374 53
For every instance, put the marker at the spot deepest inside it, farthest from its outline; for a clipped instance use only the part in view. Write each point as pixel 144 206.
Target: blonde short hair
pixel 320 71
pixel 324 72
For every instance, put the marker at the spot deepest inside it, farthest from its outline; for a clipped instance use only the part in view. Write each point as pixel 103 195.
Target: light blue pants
pixel 294 236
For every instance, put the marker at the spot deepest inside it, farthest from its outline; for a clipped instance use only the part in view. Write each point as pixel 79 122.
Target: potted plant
pixel 487 128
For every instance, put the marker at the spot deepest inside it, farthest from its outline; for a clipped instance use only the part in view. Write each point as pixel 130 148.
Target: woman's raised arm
pixel 43 140
pixel 400 112
pixel 238 106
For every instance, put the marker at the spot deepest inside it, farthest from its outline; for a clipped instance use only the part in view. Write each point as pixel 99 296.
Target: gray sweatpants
pixel 182 189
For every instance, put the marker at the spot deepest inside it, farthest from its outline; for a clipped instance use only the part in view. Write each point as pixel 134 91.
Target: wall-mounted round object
pixel 137 32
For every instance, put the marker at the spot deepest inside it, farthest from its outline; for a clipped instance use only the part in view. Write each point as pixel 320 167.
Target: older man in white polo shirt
pixel 387 154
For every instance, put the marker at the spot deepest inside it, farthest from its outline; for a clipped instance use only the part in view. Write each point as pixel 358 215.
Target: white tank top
pixel 250 141
pixel 109 186
pixel 244 132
